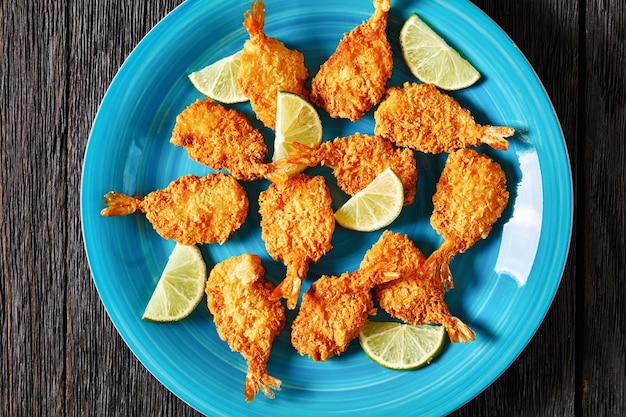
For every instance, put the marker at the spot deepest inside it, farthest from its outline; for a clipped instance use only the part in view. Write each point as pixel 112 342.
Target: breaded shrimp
pixel 297 225
pixel 245 318
pixel 334 311
pixel 471 195
pixel 416 297
pixel 356 160
pixel 190 210
pixel 221 138
pixel 353 79
pixel 267 67
pixel 420 117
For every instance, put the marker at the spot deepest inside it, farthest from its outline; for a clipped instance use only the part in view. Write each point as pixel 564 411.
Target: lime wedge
pixel 431 59
pixel 180 287
pixel 402 346
pixel 218 81
pixel 296 121
pixel 375 206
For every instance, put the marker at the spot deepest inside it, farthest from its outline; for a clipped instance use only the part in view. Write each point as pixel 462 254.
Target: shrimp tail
pixel 280 171
pixel 458 331
pixel 382 5
pixel 254 19
pixel 120 204
pixel 437 266
pixel 494 136
pixel 378 273
pixel 378 21
pixel 289 287
pixel 445 275
pixel 386 276
pixel 265 382
pixel 304 155
pixel 300 157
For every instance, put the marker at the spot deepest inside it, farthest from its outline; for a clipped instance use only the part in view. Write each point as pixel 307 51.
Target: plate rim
pixel 171 16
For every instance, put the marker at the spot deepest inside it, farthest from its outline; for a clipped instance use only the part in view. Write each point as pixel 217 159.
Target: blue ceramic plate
pixel 504 284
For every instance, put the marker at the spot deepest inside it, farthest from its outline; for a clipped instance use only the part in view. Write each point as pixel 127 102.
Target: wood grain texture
pixel 34 191
pixel 61 355
pixel 103 378
pixel 603 192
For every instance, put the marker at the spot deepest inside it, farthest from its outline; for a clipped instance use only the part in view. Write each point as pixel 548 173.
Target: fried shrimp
pixel 420 117
pixel 221 138
pixel 416 297
pixel 334 311
pixel 267 67
pixel 190 210
pixel 353 79
pixel 356 160
pixel 297 225
pixel 471 195
pixel 245 318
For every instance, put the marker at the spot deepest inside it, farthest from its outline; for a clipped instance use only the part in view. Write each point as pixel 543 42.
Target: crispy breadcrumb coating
pixel 353 79
pixel 356 161
pixel 297 225
pixel 190 210
pixel 416 297
pixel 471 195
pixel 334 311
pixel 422 118
pixel 238 297
pixel 221 138
pixel 267 67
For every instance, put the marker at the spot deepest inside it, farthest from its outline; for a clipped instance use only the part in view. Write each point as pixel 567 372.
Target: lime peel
pixel 180 287
pixel 297 120
pixel 402 346
pixel 218 81
pixel 431 59
pixel 374 207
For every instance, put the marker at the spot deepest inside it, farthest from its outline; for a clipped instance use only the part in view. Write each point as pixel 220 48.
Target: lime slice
pixel 375 206
pixel 296 121
pixel 402 346
pixel 181 286
pixel 218 80
pixel 431 59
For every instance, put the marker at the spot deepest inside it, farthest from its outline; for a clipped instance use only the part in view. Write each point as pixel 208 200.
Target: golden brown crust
pixel 422 118
pixel 356 161
pixel 221 138
pixel 353 79
pixel 238 297
pixel 335 309
pixel 471 195
pixel 297 224
pixel 267 67
pixel 197 209
pixel 297 218
pixel 331 315
pixel 416 297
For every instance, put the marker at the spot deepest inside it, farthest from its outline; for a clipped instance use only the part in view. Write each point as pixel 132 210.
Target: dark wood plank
pixel 603 328
pixel 33 209
pixel 103 377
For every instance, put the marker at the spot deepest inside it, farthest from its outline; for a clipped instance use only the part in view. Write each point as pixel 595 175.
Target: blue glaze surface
pixel 504 284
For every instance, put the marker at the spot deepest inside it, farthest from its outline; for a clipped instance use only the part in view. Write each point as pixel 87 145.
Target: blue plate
pixel 504 284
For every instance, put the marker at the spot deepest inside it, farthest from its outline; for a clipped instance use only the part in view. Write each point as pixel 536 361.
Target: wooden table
pixel 61 356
